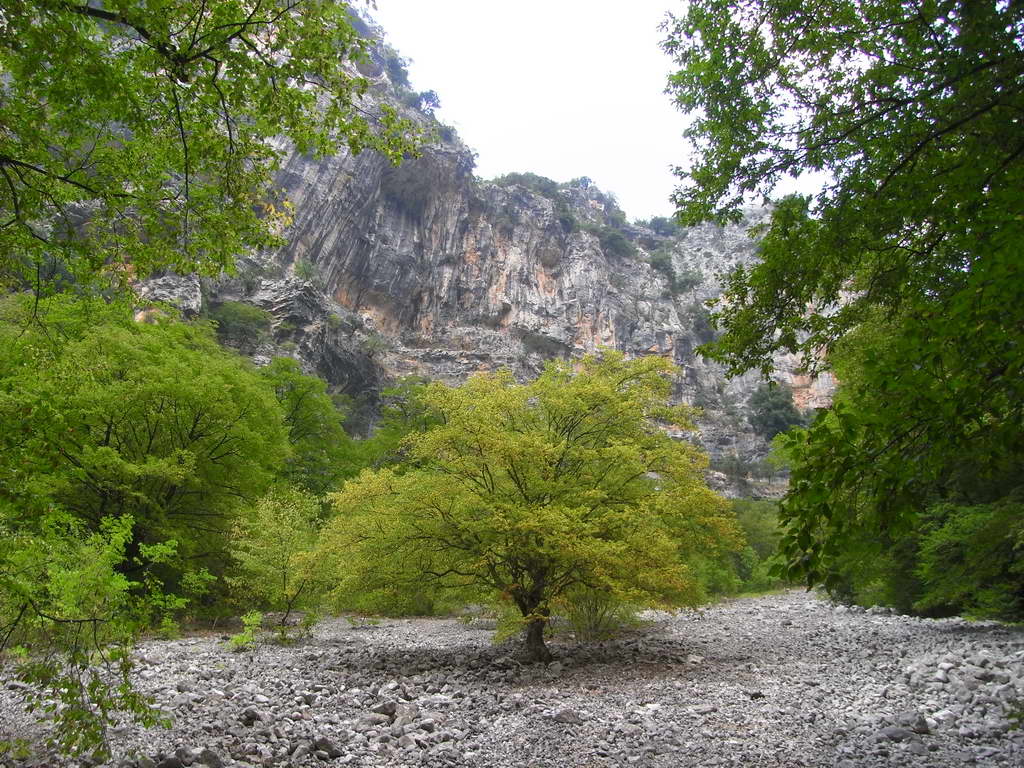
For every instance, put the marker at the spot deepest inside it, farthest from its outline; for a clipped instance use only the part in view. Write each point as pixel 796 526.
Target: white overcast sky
pixel 562 88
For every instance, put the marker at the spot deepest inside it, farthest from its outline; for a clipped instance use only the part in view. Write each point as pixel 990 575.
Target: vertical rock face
pixel 424 269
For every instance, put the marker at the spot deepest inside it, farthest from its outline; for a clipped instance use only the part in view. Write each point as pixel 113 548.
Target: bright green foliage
pixel 269 544
pixel 912 248
pixel 747 569
pixel 972 559
pixel 125 451
pixel 136 131
pixel 154 422
pixel 772 410
pixel 525 492
pixel 760 524
pixel 322 453
pixel 403 411
pixel 64 596
pixel 595 615
pixel 252 622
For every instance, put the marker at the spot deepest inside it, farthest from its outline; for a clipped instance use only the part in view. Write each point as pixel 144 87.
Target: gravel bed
pixel 781 680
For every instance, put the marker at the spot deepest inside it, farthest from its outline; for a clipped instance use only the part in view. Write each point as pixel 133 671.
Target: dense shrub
pixel 748 569
pixel 958 559
pixel 772 410
pixel 702 328
pixel 542 185
pixel 661 261
pixel 241 325
pixel 395 66
pixel 614 243
pixel 661 225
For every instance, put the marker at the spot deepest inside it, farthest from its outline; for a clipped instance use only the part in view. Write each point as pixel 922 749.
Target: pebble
pixel 785 679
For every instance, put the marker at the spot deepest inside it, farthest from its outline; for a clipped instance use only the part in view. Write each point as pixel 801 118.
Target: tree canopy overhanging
pixel 914 114
pixel 135 135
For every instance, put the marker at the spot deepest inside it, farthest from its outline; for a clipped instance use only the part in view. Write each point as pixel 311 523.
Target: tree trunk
pixel 535 641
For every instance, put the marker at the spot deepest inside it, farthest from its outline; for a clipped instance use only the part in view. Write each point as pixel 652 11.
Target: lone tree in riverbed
pixel 525 492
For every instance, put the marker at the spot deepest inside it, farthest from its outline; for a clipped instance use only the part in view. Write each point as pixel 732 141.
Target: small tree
pixel 269 543
pixel 526 492
pixel 772 410
pixel 240 324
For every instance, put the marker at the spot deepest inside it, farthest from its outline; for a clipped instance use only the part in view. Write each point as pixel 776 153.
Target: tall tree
pixel 913 112
pixel 526 492
pixel 322 453
pixel 150 422
pixel 126 452
pixel 136 133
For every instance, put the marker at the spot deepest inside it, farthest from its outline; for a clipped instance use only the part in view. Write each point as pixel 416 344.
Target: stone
pixel 567 716
pixel 914 721
pixel 301 752
pixel 894 733
pixel 406 742
pixel 209 758
pixel 322 743
pixel 386 707
pixel 371 721
pixel 405 709
pixel 251 716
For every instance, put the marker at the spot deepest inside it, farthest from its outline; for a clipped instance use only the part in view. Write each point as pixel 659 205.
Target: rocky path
pixel 783 680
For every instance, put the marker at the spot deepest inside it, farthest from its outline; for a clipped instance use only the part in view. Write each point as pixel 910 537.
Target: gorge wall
pixel 424 269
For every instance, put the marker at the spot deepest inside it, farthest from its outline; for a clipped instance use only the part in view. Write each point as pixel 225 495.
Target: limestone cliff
pixel 425 269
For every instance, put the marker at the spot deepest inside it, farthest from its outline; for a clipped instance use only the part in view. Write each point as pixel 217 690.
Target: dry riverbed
pixel 781 680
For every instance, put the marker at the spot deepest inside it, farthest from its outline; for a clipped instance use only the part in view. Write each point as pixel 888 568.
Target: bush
pixel 447 134
pixel 240 324
pixel 395 66
pixel 412 100
pixel 750 568
pixel 306 271
pixel 703 329
pixel 614 243
pixel 960 559
pixel 542 185
pixel 772 410
pixel 270 544
pixel 661 261
pixel 661 226
pixel 246 639
pixel 971 559
pixel 595 615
